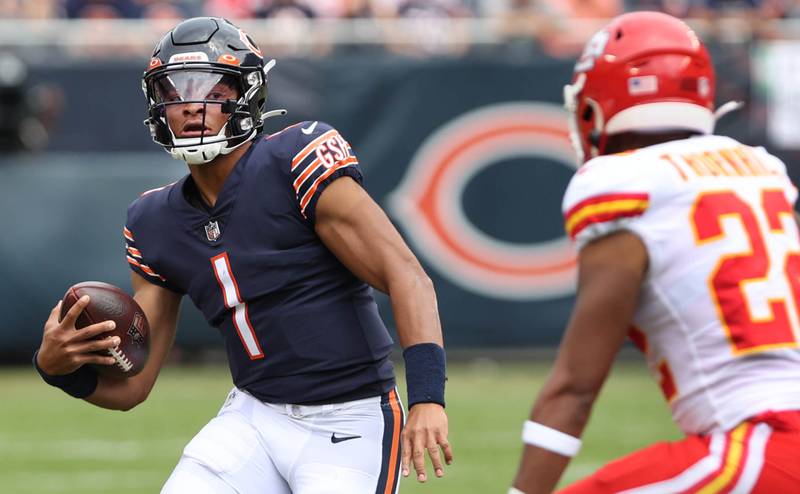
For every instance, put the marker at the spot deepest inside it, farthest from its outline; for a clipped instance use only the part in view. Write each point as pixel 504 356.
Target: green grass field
pixel 50 443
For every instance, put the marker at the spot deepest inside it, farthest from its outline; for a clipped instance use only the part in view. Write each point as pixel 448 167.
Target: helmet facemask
pixel 585 121
pixel 195 97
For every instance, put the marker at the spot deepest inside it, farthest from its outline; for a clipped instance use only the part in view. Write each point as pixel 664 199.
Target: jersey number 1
pixel 233 300
pixel 734 271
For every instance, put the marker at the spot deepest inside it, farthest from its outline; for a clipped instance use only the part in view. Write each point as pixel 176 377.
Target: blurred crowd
pixel 346 9
pixel 516 30
pixel 556 28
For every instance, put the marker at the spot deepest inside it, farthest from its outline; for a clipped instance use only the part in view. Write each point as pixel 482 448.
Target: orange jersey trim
pixel 303 154
pixel 145 268
pixel 311 168
pixel 394 454
pixel 310 193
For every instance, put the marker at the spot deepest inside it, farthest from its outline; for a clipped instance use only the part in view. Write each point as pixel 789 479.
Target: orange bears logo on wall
pixel 428 202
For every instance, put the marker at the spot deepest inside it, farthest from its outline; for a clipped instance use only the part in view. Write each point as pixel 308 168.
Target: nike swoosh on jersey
pixel 337 439
pixel 308 130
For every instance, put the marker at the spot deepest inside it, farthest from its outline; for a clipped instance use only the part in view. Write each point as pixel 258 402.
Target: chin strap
pixel 273 113
pixel 268 66
pixel 729 107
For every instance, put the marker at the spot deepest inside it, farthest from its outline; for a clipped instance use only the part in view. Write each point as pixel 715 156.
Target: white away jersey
pixel 718 314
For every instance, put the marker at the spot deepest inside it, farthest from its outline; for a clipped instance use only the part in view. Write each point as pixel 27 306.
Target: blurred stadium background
pixel 453 107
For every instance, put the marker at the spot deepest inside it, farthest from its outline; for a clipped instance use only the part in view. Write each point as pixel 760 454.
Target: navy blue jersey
pixel 298 326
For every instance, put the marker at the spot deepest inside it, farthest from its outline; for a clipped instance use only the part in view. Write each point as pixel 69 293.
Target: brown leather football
pixel 110 303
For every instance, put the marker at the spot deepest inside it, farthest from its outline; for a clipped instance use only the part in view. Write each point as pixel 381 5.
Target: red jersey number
pixel 734 271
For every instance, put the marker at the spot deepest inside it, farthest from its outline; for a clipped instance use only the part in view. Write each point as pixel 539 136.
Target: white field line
pixel 83 449
pixel 80 481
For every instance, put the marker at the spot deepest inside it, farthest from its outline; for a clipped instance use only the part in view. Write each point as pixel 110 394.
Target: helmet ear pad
pixel 590 125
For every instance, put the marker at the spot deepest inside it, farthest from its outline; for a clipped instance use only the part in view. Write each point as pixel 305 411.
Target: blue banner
pixel 469 158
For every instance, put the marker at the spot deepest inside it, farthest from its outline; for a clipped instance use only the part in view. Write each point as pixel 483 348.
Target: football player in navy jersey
pixel 275 241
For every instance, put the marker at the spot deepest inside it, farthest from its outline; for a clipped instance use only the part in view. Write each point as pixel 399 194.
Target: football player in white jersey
pixel 688 244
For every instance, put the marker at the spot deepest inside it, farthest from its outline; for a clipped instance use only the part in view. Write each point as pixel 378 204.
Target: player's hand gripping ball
pixel 109 303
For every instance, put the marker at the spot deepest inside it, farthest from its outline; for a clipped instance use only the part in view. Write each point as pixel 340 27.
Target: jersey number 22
pixel 734 271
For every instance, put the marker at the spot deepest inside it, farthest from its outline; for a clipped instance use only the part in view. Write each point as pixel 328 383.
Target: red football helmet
pixel 643 72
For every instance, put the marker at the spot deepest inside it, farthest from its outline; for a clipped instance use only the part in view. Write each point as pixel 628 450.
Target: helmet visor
pixel 180 86
pixel 196 104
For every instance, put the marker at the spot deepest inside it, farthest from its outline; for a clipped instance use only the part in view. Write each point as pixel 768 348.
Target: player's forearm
pixel 539 471
pixel 124 394
pixel 118 394
pixel 420 333
pixel 564 405
pixel 561 406
pixel 414 307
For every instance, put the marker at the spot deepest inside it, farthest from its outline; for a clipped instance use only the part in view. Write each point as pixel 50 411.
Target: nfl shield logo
pixel 212 231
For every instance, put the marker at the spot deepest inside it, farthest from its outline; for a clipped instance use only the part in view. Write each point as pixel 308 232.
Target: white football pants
pixel 252 447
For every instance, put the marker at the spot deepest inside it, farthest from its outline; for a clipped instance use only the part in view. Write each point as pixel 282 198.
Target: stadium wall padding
pixel 469 157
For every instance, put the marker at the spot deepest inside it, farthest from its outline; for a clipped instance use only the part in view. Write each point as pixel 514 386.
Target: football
pixel 108 302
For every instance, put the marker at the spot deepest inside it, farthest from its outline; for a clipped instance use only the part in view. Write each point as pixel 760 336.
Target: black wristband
pixel 79 384
pixel 426 373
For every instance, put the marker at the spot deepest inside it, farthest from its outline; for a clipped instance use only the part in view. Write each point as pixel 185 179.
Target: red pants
pixel 761 455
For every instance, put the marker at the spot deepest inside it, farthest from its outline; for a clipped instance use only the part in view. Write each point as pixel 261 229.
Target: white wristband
pixel 514 490
pixel 550 439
